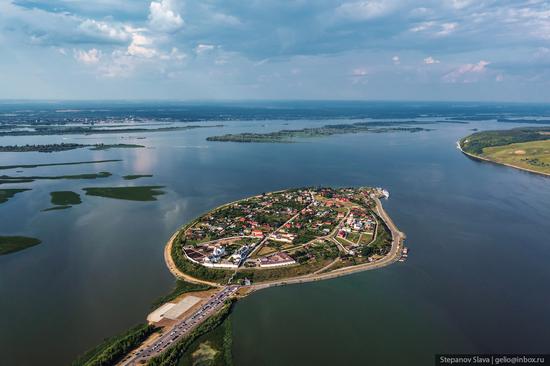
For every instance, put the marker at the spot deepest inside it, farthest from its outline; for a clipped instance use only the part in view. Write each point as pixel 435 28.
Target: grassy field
pixel 139 193
pixel 64 198
pixel 11 244
pixel 210 349
pixel 475 143
pixel 534 155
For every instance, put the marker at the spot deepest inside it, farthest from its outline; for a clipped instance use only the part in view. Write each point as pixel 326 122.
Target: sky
pixel 456 50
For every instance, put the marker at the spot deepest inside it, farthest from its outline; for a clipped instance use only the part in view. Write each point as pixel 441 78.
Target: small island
pixel 272 239
pixel 7 193
pixel 49 148
pixel 526 148
pixel 134 193
pixel 12 244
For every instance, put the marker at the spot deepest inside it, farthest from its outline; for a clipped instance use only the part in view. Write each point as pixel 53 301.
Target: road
pixel 393 255
pixel 181 328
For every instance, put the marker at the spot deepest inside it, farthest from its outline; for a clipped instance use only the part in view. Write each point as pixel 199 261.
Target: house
pixel 257 233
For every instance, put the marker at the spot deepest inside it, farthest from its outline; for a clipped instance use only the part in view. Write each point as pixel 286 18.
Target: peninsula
pixel 526 148
pixel 277 238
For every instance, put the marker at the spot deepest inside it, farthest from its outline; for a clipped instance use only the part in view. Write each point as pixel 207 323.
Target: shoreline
pixel 477 157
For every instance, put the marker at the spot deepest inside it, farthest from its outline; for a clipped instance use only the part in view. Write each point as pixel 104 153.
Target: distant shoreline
pixel 477 157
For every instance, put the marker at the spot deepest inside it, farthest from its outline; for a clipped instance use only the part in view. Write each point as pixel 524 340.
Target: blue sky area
pixel 273 49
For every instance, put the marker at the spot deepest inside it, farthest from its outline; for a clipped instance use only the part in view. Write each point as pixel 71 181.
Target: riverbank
pixel 477 157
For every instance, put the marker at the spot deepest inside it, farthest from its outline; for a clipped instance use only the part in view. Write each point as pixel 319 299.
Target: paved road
pixel 182 328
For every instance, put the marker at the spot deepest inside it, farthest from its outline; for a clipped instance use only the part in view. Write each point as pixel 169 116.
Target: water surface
pixel 476 280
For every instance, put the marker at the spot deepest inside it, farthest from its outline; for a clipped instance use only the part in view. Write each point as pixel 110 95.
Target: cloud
pixel 466 73
pixel 430 60
pixel 152 40
pixel 163 16
pixel 89 57
pixel 359 72
pixel 140 45
pixel 204 48
pixel 435 29
pixel 103 30
pixel 365 10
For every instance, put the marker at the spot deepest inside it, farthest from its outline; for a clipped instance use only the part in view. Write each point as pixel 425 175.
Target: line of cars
pixel 183 327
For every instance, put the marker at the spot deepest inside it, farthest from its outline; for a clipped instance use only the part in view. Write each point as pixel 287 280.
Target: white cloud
pixel 460 4
pixel 466 73
pixel 174 54
pixel 103 30
pixel 359 72
pixel 163 16
pixel 204 48
pixel 446 29
pixel 89 57
pixel 396 60
pixel 365 10
pixel 435 29
pixel 430 60
pixel 140 46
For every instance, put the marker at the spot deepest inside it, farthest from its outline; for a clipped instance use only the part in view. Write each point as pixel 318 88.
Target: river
pixel 476 279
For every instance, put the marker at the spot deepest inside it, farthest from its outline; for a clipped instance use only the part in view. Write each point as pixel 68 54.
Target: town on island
pixel 272 239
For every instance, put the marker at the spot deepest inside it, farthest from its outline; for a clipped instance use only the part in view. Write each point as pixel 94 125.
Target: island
pixel 286 136
pixel 48 148
pixel 526 148
pixel 11 244
pixel 7 193
pixel 272 239
pixel 7 179
pixel 47 130
pixel 133 193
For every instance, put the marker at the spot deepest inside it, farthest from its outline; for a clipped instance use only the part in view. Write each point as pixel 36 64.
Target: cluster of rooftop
pixel 283 229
